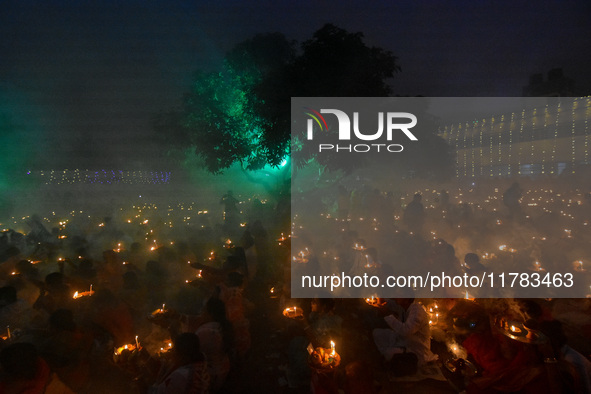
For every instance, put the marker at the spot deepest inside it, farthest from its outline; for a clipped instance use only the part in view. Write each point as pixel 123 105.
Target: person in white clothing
pixel 410 331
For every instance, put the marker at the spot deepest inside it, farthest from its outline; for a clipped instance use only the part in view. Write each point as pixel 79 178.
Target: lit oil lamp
pixel 293 312
pixel 302 256
pixel 159 312
pixel 433 314
pixel 323 359
pixel 358 246
pixel 375 301
pixel 515 330
pixel 83 294
pixel 121 354
pixel 273 292
pixel 166 348
pixel 8 336
pixel 455 349
pixel 578 266
pixel 467 297
pixel 281 239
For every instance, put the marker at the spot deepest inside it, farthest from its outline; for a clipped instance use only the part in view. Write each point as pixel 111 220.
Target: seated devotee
pixel 23 371
pixel 14 312
pixel 27 281
pixel 134 294
pixel 232 295
pixel 156 278
pixel 66 348
pixel 188 372
pixel 359 378
pixel 297 371
pixel 216 336
pixel 8 260
pixel 113 316
pixel 472 264
pixel 577 368
pixel 507 365
pixel 414 215
pixel 54 293
pixel 409 331
pixel 323 325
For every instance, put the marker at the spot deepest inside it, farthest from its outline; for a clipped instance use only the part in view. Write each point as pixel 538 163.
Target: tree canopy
pixel 241 112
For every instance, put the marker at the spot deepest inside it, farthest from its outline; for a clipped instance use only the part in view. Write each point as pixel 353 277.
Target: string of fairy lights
pixel 64 177
pixel 546 140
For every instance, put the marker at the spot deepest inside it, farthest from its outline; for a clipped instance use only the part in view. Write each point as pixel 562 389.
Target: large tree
pixel 220 119
pixel 241 112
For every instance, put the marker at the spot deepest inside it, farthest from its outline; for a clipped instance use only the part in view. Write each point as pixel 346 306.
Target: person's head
pixel 62 320
pixel 19 361
pixel 232 263
pixel 153 267
pixel 216 309
pixel 404 297
pixel 322 305
pixel 7 295
pixel 54 279
pixel 417 197
pixel 473 262
pixel 187 349
pixel 234 279
pixel 26 268
pixel 373 253
pixel 12 251
pixel 404 302
pixel 554 331
pixel 130 280
pixel 86 269
pixel 532 311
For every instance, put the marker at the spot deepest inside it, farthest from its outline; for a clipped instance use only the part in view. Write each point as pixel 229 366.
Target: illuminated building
pixel 547 140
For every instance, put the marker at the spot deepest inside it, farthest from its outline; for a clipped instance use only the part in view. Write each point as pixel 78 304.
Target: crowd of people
pixel 133 304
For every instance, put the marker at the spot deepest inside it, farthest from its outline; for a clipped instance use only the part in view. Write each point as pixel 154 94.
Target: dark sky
pixel 83 78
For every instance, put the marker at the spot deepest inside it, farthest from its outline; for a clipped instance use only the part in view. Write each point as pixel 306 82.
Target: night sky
pixel 81 80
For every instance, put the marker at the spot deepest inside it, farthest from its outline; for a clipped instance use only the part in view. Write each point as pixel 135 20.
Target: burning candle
pixel 468 297
pixel 332 348
pixel 137 344
pixel 8 331
pixel 293 312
